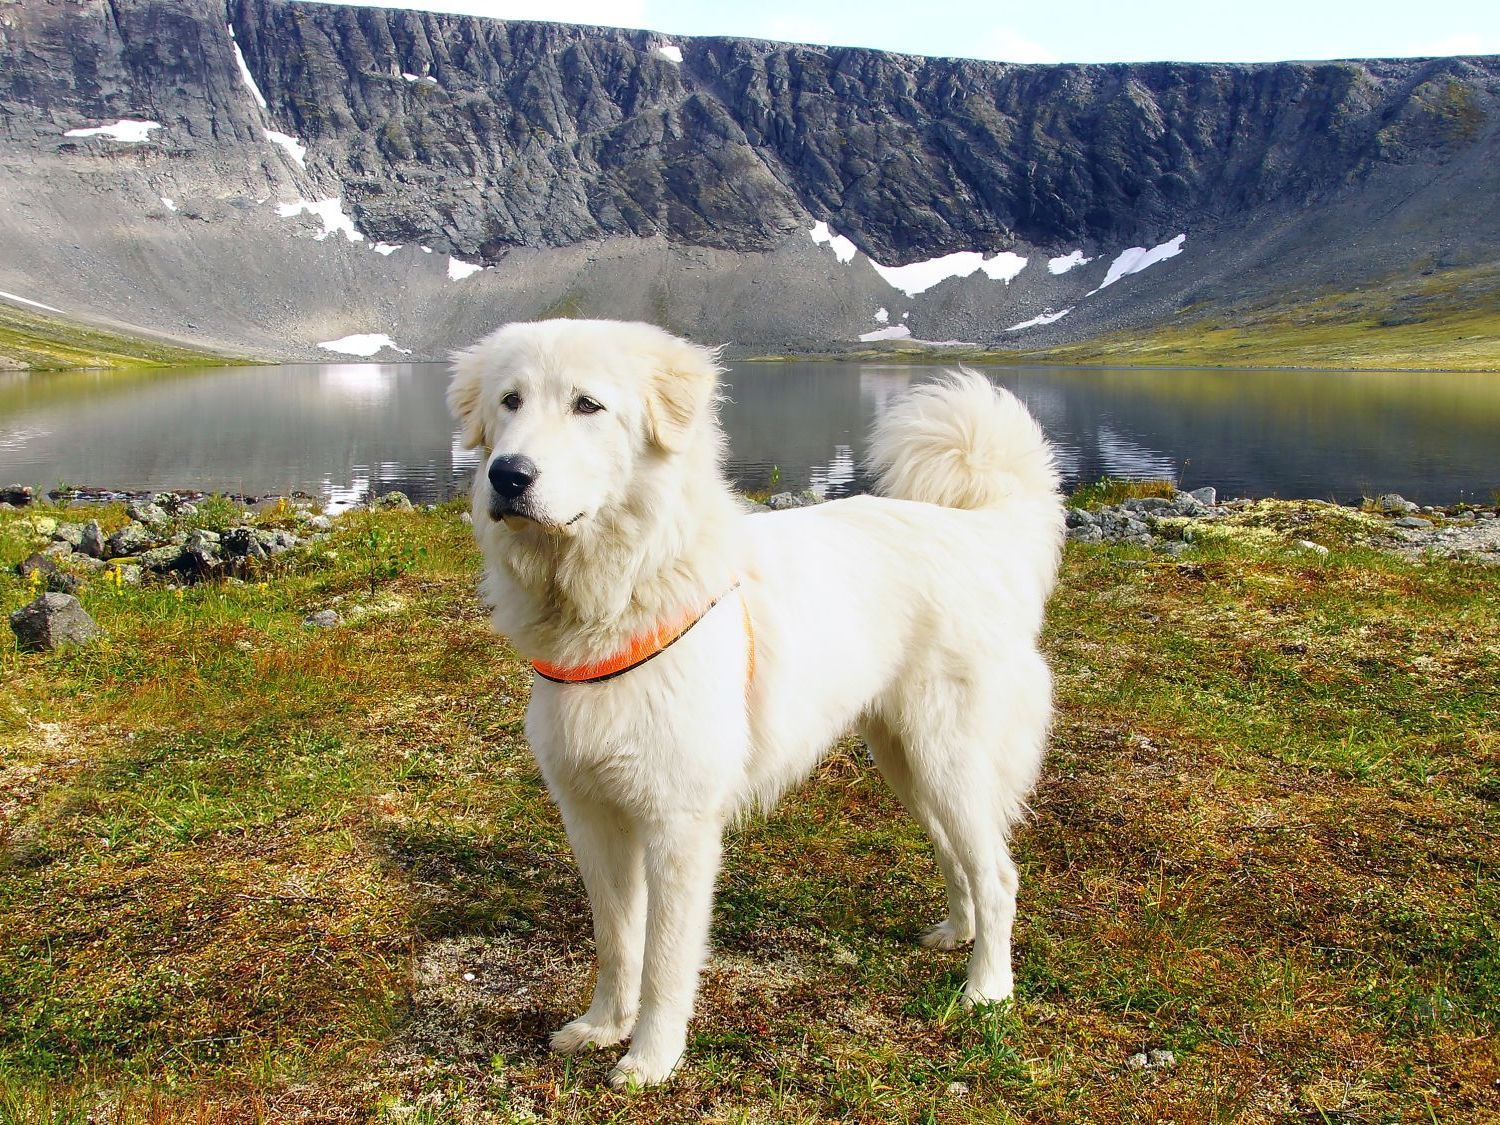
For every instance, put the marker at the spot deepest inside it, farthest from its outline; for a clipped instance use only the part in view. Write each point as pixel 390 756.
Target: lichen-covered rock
pixel 43 570
pixel 91 541
pixel 128 542
pixel 53 621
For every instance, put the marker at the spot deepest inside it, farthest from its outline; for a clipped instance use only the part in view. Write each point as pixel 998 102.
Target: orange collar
pixel 642 648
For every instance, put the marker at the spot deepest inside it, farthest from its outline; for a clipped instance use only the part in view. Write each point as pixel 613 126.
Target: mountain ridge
pixel 591 172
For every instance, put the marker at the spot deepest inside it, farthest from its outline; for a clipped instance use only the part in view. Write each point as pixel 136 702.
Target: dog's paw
pixel 947 934
pixel 582 1032
pixel 976 994
pixel 634 1072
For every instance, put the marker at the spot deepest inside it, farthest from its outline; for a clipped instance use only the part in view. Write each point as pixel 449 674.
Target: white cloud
pixel 1005 45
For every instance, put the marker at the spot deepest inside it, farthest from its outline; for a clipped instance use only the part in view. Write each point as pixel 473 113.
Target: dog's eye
pixel 511 401
pixel 586 405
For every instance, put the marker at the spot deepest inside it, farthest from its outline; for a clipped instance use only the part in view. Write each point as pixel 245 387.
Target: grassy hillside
pixel 255 871
pixel 31 340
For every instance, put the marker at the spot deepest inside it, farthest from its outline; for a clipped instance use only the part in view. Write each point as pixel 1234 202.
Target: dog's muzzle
pixel 510 476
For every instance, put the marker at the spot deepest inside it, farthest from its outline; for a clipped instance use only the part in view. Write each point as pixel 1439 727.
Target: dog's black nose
pixel 512 475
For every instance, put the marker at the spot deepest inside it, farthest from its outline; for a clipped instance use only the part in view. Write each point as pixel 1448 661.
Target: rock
pixel 1164 1060
pixel 43 570
pixel 240 542
pixel 322 619
pixel 1465 516
pixel 86 563
pixel 44 526
pixel 1309 545
pixel 17 495
pixel 1147 504
pixel 53 621
pixel 466 518
pixel 59 550
pixel 1486 515
pixel 69 533
pixel 397 500
pixel 160 560
pixel 125 574
pixel 1412 521
pixel 1394 502
pixel 147 512
pixel 128 542
pixel 1171 548
pixel 200 555
pixel 958 1089
pixel 784 500
pixel 320 523
pixel 1080 517
pixel 1137 1061
pixel 1208 496
pixel 91 542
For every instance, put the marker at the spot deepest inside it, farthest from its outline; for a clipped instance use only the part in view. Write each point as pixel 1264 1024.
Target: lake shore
pixel 273 845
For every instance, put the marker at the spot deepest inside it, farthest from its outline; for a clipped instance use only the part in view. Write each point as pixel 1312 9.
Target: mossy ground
pixel 252 871
pixel 36 341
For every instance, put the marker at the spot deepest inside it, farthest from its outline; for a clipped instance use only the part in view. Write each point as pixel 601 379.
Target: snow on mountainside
pixel 276 177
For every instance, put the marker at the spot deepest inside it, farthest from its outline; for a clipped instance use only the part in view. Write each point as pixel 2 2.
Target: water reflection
pixel 346 431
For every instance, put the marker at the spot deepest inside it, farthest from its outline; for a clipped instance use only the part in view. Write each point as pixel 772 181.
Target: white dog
pixel 694 660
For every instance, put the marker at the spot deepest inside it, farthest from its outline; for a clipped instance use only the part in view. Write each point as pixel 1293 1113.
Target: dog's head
pixel 570 412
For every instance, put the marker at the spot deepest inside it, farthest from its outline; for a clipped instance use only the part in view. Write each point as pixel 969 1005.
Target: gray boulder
pixel 129 541
pixel 146 511
pixel 1395 502
pixel 44 570
pixel 1208 495
pixel 69 533
pixel 322 619
pixel 91 542
pixel 398 500
pixel 1412 522
pixel 16 495
pixel 53 621
pixel 160 560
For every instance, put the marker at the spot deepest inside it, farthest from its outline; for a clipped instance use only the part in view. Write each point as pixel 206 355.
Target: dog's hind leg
pixel 607 848
pixel 975 747
pixel 890 758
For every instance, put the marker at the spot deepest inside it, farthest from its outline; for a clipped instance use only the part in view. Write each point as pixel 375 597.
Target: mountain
pixel 266 176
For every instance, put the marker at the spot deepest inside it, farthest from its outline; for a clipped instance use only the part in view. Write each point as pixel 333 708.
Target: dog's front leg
pixel 681 860
pixel 607 847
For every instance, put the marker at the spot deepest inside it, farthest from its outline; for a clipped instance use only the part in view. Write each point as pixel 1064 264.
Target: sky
pixel 1078 31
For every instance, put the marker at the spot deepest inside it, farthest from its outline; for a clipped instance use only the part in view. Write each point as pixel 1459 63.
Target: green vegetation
pixel 255 871
pixel 1116 490
pixel 35 341
pixel 1437 320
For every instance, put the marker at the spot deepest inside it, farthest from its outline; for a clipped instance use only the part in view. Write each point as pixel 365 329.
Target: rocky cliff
pixel 305 172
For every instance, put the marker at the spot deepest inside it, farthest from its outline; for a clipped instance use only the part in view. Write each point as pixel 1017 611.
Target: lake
pixel 344 431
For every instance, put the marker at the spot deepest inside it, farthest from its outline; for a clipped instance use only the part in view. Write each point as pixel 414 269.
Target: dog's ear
pixel 682 389
pixel 465 391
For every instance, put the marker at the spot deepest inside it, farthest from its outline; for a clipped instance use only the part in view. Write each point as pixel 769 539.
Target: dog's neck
pixel 672 546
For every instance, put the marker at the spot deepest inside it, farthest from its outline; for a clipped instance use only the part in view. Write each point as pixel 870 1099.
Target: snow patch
pixel 27 301
pixel 420 78
pixel 125 130
pixel 245 76
pixel 1067 262
pixel 669 51
pixel 459 269
pixel 329 212
pixel 843 249
pixel 1138 258
pixel 365 344
pixel 168 204
pixel 1045 317
pixel 894 332
pixel 918 277
pixel 882 316
pixel 386 248
pixel 294 148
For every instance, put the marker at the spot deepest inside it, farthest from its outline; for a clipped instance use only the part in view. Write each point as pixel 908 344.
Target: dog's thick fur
pixel 911 617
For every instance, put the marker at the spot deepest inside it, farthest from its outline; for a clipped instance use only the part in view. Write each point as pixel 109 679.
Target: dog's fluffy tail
pixel 962 443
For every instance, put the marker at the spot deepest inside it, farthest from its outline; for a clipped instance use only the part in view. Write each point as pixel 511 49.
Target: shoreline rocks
pixel 51 622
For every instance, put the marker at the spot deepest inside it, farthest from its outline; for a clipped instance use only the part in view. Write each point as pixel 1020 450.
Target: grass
pixel 1116 490
pixel 252 871
pixel 35 341
pixel 1424 320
